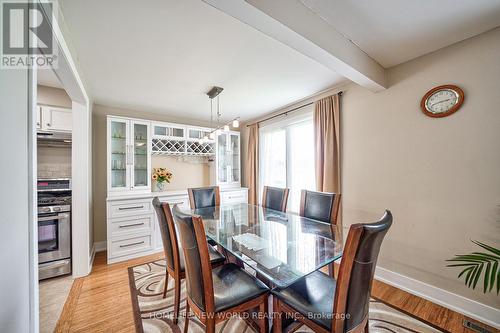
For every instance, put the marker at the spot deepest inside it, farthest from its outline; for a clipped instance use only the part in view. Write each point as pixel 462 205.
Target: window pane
pixel 272 159
pixel 301 162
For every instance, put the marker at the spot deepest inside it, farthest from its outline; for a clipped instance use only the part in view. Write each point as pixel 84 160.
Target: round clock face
pixel 442 101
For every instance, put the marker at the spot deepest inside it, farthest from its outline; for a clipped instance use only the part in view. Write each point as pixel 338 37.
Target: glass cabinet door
pixel 140 153
pixel 234 172
pixel 118 158
pixel 222 160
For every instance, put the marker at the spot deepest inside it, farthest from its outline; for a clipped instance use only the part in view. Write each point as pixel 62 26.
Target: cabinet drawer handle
pixel 131 225
pixel 132 244
pixel 133 207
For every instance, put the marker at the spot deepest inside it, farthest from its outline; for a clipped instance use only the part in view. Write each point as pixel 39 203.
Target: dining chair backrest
pixel 202 197
pixel 275 198
pixel 356 273
pixel 320 206
pixel 197 260
pixel 168 235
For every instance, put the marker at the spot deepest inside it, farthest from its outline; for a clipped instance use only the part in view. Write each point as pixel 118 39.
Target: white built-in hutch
pixel 132 228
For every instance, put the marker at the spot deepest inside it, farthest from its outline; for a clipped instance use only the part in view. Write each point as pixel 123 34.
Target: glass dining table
pixel 281 247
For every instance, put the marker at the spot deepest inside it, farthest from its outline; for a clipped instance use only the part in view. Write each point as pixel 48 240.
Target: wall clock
pixel 442 101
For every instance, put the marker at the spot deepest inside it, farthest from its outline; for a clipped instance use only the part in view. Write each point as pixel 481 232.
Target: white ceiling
pixel 47 77
pixel 395 31
pixel 163 56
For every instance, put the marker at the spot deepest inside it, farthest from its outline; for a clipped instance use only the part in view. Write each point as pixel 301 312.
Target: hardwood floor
pixel 101 302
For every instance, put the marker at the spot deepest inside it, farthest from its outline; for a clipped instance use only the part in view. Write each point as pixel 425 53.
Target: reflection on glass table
pixel 283 247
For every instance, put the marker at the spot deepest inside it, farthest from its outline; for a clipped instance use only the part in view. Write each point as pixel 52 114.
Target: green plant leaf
pixel 486 255
pixel 493 274
pixel 498 282
pixel 465 270
pixel 486 277
pixel 477 265
pixel 461 265
pixel 470 277
pixel 477 275
pixel 487 247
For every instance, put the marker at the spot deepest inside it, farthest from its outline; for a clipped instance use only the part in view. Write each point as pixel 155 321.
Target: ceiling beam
pixel 295 25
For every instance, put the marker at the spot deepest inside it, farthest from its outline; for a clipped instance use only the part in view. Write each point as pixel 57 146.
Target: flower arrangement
pixel 161 175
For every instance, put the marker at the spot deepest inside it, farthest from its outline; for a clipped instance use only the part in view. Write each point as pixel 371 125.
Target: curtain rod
pixel 286 112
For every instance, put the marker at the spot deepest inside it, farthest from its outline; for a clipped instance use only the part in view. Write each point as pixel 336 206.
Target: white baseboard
pixel 100 246
pixel 460 304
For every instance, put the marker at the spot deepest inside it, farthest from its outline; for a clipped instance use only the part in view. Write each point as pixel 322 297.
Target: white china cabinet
pixel 227 170
pixel 129 155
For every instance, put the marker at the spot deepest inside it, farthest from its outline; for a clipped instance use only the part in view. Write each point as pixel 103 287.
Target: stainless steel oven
pixel 54 227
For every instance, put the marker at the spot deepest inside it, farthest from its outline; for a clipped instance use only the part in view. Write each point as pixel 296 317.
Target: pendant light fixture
pixel 212 93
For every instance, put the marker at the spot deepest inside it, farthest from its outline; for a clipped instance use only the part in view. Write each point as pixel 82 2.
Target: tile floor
pixel 53 294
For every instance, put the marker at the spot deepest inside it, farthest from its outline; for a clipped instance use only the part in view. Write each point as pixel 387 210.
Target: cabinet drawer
pixel 234 197
pixel 181 201
pixel 129 207
pixel 129 245
pixel 133 224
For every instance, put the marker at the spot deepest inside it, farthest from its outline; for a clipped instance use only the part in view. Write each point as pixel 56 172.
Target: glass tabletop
pixel 283 247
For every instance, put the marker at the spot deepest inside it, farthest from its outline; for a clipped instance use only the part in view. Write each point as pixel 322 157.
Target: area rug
pixel 154 314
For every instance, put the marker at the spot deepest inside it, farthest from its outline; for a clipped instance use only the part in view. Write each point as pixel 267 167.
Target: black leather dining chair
pixel 215 294
pixel 201 197
pixel 320 206
pixel 174 256
pixel 328 305
pixel 275 198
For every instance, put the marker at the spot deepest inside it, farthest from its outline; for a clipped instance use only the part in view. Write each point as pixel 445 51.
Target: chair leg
pixel 186 321
pixel 177 299
pixel 210 325
pixel 366 328
pixel 331 270
pixel 277 315
pixel 166 285
pixel 263 321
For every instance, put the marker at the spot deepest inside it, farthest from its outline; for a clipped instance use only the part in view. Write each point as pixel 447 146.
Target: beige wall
pixel 440 177
pixel 53 96
pixel 185 173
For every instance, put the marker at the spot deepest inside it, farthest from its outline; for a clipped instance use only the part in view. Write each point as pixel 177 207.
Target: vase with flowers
pixel 161 176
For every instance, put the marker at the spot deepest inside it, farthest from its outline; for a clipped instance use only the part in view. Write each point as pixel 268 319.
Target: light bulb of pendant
pixel 226 128
pixel 217 132
pixel 236 123
pixel 212 135
pixel 205 138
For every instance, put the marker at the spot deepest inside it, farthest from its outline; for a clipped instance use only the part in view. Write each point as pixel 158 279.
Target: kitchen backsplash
pixel 54 162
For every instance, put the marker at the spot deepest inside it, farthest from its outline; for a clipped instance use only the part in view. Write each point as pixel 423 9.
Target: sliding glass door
pixel 286 156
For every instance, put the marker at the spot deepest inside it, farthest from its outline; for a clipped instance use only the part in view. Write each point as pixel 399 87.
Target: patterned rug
pixel 154 314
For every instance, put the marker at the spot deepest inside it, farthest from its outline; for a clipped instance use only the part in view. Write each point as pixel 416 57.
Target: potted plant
pixel 476 263
pixel 161 176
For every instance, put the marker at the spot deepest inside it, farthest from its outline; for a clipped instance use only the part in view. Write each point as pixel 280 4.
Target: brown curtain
pixel 252 170
pixel 327 144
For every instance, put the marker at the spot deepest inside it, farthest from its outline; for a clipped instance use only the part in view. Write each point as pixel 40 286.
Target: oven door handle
pixel 54 265
pixel 50 218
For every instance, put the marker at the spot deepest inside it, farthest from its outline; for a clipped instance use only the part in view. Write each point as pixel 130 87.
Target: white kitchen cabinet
pixel 129 155
pixel 132 226
pixel 54 119
pixel 234 196
pixel 227 169
pixel 38 117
